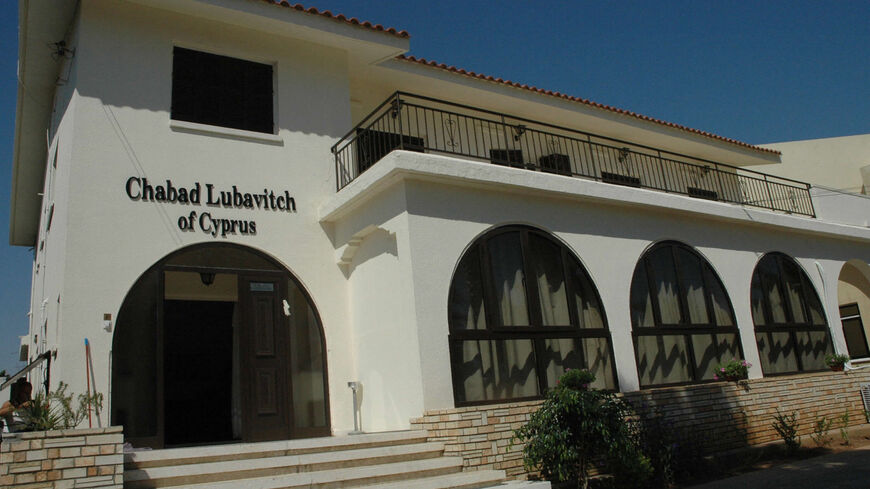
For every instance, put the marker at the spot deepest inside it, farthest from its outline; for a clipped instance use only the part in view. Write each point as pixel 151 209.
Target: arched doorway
pixel 218 343
pixel 853 297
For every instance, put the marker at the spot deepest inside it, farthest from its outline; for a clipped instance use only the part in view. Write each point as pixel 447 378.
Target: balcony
pixel 416 123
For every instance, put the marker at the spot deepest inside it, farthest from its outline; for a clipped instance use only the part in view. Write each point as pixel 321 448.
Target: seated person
pixel 19 399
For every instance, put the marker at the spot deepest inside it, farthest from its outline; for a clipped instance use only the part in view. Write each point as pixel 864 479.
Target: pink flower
pixel 722 369
pixel 715 377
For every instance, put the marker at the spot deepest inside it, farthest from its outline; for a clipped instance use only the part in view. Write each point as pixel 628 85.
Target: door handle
pixel 286 307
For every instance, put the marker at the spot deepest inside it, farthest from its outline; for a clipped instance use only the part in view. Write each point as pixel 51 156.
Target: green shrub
pixel 55 411
pixel 844 427
pixel 577 427
pixel 787 427
pixel 820 432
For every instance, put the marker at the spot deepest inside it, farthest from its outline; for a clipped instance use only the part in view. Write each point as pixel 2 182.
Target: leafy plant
pixel 787 427
pixel 733 370
pixel 577 427
pixel 820 431
pixel 55 411
pixel 844 427
pixel 3 373
pixel 836 360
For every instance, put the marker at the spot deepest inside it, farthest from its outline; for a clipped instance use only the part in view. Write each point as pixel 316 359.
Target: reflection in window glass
pixel 662 359
pixel 500 369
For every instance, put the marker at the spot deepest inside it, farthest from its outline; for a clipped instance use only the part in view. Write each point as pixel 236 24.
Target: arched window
pixel 681 317
pixel 522 310
pixel 790 325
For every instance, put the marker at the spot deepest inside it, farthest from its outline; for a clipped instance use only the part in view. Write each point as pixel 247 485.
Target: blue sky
pixel 754 71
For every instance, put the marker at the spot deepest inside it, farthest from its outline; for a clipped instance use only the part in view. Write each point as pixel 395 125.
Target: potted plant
pixel 3 376
pixel 734 370
pixel 836 361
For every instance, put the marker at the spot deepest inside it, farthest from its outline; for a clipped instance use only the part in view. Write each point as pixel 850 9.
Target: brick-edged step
pixel 242 451
pixel 152 477
pixel 343 478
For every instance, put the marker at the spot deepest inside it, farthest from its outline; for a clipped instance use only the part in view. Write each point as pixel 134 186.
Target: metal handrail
pixel 419 123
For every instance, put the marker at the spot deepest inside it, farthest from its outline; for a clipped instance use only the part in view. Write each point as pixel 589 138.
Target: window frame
pixel 684 328
pixel 178 85
pixel 860 323
pixel 790 326
pixel 536 331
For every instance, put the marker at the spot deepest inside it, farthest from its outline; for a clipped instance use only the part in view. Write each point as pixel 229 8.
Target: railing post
pixel 662 171
pixel 769 195
pixel 596 171
pixel 719 179
pixel 397 107
pixel 810 199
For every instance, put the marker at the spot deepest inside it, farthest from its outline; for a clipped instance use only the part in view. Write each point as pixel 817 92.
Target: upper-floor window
pixel 790 325
pixel 682 320
pixel 221 91
pixel 522 310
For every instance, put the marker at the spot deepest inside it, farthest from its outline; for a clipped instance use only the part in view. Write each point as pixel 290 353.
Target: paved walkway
pixel 844 470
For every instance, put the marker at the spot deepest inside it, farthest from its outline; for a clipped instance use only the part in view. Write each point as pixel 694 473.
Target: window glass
pixel 794 291
pixel 221 91
pixel 795 341
pixel 641 303
pixel 769 279
pixel 706 355
pixel 506 262
pixel 692 278
pixel 542 327
pixel 495 369
pixel 718 299
pixel 695 329
pixel 662 360
pixel 549 274
pixel 589 311
pixel 665 289
pixel 466 306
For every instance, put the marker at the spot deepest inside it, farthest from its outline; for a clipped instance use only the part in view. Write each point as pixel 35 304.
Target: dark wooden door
pixel 264 337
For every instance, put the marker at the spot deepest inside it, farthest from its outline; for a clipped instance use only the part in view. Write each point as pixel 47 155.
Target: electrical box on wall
pixel 107 322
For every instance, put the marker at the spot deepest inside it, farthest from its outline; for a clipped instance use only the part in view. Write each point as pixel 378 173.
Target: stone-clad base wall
pixel 720 415
pixel 63 459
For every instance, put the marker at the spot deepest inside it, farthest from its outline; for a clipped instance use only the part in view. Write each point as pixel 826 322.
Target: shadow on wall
pixel 698 419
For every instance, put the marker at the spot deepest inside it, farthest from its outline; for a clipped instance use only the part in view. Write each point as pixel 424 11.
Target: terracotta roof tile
pixel 340 18
pixel 584 101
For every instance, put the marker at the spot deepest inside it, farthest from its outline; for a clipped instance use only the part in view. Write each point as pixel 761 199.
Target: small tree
pixel 577 426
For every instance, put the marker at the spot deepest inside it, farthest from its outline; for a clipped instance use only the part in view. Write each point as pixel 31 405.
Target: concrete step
pixel 242 451
pixel 462 480
pixel 197 473
pixel 343 478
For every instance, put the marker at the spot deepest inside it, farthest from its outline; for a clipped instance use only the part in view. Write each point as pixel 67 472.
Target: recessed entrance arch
pixel 218 343
pixel 853 297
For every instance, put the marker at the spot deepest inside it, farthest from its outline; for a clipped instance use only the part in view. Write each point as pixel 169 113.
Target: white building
pixel 216 208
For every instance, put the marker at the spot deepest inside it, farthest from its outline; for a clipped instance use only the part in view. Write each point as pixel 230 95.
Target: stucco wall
pixel 122 129
pixel 830 162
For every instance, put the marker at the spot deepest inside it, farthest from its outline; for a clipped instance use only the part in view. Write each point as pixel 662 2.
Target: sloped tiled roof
pixel 584 101
pixel 340 18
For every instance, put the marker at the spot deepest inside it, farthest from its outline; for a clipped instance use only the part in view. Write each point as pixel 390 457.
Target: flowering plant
pixel 733 370
pixel 836 361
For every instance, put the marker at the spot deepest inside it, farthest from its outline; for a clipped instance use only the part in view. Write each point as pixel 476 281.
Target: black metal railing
pixel 423 124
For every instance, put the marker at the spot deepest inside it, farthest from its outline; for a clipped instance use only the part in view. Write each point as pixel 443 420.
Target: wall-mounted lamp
pixel 207 278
